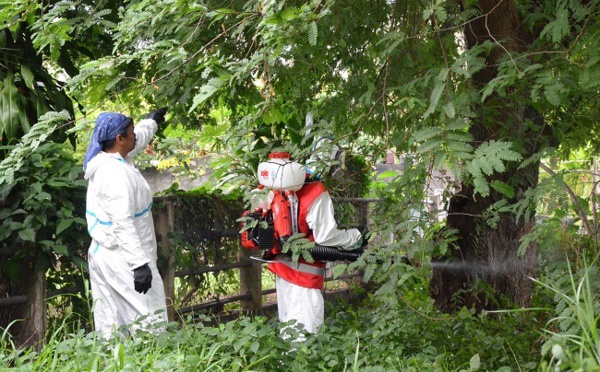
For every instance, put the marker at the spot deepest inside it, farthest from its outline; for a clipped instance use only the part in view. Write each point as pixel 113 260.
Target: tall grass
pixel 574 343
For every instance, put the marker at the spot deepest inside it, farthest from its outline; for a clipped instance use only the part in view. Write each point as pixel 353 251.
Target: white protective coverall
pixel 122 229
pixel 306 305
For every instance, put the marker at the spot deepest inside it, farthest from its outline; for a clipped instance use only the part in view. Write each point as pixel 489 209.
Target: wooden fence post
pixel 250 281
pixel 164 226
pixel 362 217
pixel 362 214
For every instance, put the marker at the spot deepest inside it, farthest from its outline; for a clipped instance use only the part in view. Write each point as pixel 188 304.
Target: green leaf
pixel 66 212
pixel 27 222
pixel 46 243
pixel 430 145
pixel 27 234
pixel 57 183
pixel 24 120
pixel 488 159
pixel 475 363
pixel 60 249
pixel 79 262
pixel 481 186
pixel 428 133
pixel 9 117
pixel 436 93
pixel 339 269
pixel 63 225
pixel 43 196
pixel 495 85
pixel 369 271
pixel 120 355
pixel 554 93
pixel 503 188
pixel 206 92
pixel 219 14
pixel 28 77
pixel 449 110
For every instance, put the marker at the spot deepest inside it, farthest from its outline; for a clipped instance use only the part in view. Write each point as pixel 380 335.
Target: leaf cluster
pixel 41 193
pixel 298 246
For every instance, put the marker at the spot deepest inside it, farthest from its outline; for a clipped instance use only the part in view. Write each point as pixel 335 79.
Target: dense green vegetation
pixel 404 334
pixel 499 93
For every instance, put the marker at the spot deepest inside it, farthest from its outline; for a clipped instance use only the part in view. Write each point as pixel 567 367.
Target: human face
pixel 128 140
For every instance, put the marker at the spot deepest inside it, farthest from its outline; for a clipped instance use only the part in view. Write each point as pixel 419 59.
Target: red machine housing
pixel 282 219
pixel 273 228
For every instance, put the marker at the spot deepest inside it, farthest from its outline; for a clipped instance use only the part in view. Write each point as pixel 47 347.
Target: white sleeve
pixel 144 131
pixel 116 197
pixel 320 218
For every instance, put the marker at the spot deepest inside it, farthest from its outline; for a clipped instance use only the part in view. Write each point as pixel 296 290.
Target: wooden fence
pixel 250 272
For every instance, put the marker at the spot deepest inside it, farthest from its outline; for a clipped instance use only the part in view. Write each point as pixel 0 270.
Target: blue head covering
pixel 108 126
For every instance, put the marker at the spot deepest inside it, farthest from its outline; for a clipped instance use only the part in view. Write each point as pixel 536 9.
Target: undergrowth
pixel 361 337
pixel 405 333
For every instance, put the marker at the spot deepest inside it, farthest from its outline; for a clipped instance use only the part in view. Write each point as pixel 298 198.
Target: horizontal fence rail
pixel 212 269
pixel 13 300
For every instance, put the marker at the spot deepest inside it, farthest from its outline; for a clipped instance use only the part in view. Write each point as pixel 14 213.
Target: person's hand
pixel 158 115
pixel 366 236
pixel 359 244
pixel 142 279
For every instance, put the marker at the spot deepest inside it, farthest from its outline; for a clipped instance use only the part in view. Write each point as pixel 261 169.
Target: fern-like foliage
pixel 313 32
pixel 451 145
pixel 451 138
pixel 489 158
pixel 299 246
pixel 46 125
pixel 559 28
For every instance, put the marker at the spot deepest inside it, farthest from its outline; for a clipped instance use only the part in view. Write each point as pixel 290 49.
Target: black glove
pixel 142 279
pixel 158 115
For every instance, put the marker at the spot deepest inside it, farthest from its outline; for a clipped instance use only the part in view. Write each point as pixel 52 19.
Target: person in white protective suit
pixel 299 284
pixel 125 282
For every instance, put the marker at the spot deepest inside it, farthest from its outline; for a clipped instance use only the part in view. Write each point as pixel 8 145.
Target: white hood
pixel 98 160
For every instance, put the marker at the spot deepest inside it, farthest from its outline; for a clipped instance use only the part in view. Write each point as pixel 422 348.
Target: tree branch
pixel 578 208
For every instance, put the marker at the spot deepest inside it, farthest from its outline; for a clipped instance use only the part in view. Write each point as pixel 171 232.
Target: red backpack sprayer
pixel 274 218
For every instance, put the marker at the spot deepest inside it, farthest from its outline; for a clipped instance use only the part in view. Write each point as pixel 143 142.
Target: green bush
pixel 42 202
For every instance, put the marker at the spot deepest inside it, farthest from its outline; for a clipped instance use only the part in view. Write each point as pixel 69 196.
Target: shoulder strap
pixel 306 196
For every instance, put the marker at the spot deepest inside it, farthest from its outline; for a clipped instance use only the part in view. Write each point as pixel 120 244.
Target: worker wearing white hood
pixel 126 286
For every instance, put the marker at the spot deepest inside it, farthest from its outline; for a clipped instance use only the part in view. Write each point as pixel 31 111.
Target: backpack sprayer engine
pixel 274 222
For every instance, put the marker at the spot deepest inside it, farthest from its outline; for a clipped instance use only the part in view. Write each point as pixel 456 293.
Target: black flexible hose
pixel 323 253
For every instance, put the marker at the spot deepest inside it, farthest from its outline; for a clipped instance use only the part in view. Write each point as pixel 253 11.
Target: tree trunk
pixel 485 270
pixel 25 320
